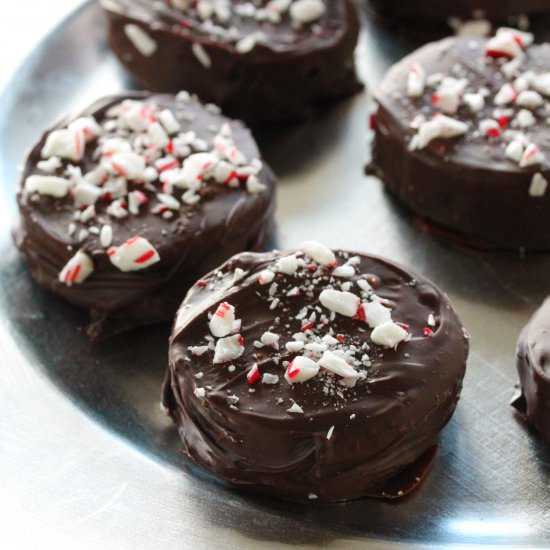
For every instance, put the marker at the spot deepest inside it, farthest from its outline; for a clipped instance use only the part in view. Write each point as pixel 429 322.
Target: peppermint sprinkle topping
pixel 143 43
pixel 77 269
pixel 135 254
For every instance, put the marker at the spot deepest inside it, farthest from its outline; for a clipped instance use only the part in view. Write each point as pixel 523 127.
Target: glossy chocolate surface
pixel 286 75
pixel 376 438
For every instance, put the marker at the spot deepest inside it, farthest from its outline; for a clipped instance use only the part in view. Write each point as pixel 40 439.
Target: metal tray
pixel 87 459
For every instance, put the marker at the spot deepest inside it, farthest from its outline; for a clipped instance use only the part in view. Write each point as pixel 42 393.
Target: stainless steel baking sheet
pixel 87 459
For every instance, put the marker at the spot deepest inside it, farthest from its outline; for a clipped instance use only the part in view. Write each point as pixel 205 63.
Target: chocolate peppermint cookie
pixel 314 374
pixel 442 11
pixel 266 61
pixel 123 206
pixel 460 137
pixel 533 354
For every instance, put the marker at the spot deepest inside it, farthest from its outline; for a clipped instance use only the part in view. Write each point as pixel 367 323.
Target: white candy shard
pixel 85 193
pixel 506 95
pixel 66 144
pixel 447 97
pixel 319 253
pixel 474 102
pixel 525 119
pixel 77 269
pixel 301 369
pixel 336 364
pixel 129 165
pixel 265 276
pixel 270 339
pixel 106 236
pixel 344 303
pixel 538 185
pixel 143 43
pixel 254 185
pixel 287 265
pixel 541 83
pixel 531 156
pixel 344 271
pixel 202 55
pixel 88 126
pixel 303 12
pixel 375 313
pixel 440 126
pixel 228 348
pixel 269 378
pixel 222 322
pixel 135 254
pixel 416 81
pixel 388 334
pixel 47 185
pixel 529 99
pixel 294 346
pixel 514 150
pixel 169 121
pixel 295 409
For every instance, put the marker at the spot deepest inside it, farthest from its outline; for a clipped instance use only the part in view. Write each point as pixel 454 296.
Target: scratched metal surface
pixel 88 461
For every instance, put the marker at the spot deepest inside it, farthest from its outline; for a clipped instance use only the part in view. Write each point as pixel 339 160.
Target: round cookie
pixel 460 137
pixel 314 374
pixel 442 11
pixel 123 206
pixel 533 352
pixel 262 64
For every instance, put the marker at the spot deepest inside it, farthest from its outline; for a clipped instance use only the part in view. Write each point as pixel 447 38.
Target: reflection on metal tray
pixel 87 459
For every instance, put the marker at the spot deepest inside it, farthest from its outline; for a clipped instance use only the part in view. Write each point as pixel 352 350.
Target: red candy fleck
pixel 341 338
pixel 201 283
pixel 404 326
pixel 169 147
pixel 427 331
pixel 241 340
pixel 308 326
pixel 223 308
pixel 119 170
pixel 360 314
pixel 169 165
pixel 493 132
pixel 292 371
pixel 372 121
pixel 254 375
pixel 503 121
pixel 144 257
pixel 497 53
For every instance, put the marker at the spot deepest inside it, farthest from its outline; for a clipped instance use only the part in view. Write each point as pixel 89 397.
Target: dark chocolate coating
pixel 434 9
pixel 286 78
pixel 199 237
pixel 533 354
pixel 464 186
pixel 383 451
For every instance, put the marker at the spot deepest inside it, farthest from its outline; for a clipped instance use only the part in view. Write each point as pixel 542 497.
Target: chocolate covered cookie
pixel 266 61
pixel 314 374
pixel 123 206
pixel 460 137
pixel 442 11
pixel 533 354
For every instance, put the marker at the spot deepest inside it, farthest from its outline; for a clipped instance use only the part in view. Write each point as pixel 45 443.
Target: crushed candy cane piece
pixel 389 334
pixel 529 99
pixel 143 43
pixel 295 409
pixel 301 369
pixel 287 265
pixel 375 313
pixel 531 156
pixel 135 254
pixel 344 303
pixel 303 12
pixel 223 321
pixel 440 126
pixel 268 378
pixel 253 376
pixel 77 269
pixel 265 276
pixel 228 348
pixel 337 365
pixel 319 253
pixel 270 339
pixel 47 185
pixel 538 185
pixel 416 81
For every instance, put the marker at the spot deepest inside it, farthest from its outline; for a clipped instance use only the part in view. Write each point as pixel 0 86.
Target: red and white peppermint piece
pixel 303 12
pixel 345 271
pixel 338 365
pixel 508 43
pixel 265 276
pixel 77 269
pixel 129 165
pixel 253 376
pixel 448 96
pixel 301 369
pixel 375 313
pixel 541 83
pixel 525 119
pixel 440 126
pixel 344 303
pixel 538 185
pixel 506 95
pixel 254 185
pixel 514 150
pixel 531 156
pixel 47 185
pixel 141 41
pixel 135 254
pixel 66 144
pixel 135 200
pixel 88 126
pixel 529 99
pixel 490 128
pixel 319 253
pixel 389 334
pixel 157 135
pixel 228 349
pixel 416 81
pixel 223 321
